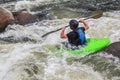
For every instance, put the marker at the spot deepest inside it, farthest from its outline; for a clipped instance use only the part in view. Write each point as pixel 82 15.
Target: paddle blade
pixel 96 14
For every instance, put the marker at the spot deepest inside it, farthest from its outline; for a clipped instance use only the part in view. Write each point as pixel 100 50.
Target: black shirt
pixel 73 37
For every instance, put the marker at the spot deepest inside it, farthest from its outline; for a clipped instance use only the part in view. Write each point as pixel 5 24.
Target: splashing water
pixel 24 55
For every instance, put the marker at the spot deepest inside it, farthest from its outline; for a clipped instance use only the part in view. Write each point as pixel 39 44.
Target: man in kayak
pixel 77 36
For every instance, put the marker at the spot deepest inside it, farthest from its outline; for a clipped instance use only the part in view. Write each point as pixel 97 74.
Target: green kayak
pixel 93 45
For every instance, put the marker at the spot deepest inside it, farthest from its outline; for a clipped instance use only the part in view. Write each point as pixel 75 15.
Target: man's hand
pixel 85 24
pixel 82 20
pixel 63 27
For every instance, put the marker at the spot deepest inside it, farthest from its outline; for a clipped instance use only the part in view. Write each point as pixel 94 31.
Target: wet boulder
pixel 113 49
pixel 24 17
pixel 6 18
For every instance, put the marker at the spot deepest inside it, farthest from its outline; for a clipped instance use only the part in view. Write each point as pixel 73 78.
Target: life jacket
pixel 82 36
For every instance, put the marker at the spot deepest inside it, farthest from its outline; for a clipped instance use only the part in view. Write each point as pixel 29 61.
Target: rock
pixel 24 17
pixel 6 18
pixel 113 49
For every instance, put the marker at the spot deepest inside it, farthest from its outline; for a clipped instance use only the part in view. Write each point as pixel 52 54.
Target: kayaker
pixel 77 36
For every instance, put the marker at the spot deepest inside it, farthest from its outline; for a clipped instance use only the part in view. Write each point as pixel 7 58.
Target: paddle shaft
pixel 95 14
pixel 60 29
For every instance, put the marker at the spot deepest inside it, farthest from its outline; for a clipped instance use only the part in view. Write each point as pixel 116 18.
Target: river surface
pixel 37 58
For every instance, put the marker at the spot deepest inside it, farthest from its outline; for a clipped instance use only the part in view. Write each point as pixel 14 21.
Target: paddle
pixel 95 15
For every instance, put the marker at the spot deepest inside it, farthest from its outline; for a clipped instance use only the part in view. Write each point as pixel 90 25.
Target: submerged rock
pixel 5 1
pixel 13 39
pixel 102 64
pixel 95 4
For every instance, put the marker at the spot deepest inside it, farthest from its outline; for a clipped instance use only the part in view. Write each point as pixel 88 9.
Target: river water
pixel 25 55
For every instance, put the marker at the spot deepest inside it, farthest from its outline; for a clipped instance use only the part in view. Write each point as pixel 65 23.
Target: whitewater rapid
pixel 25 55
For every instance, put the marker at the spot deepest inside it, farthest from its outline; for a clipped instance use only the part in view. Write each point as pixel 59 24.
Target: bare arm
pixel 85 24
pixel 62 34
